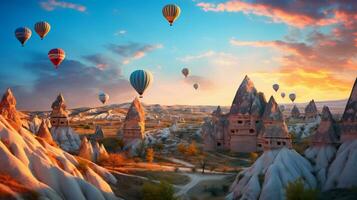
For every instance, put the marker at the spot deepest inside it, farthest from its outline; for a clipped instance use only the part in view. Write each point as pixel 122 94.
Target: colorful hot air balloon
pixel 171 12
pixel 283 94
pixel 195 86
pixel 276 87
pixel 23 34
pixel 140 80
pixel 56 56
pixel 103 97
pixel 42 29
pixel 292 97
pixel 185 72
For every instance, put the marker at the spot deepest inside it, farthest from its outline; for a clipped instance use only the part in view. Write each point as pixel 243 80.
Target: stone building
pixel 275 132
pixel 59 115
pixel 311 110
pixel 349 118
pixel 134 124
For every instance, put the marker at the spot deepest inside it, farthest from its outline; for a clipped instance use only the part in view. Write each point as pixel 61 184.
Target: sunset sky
pixel 308 47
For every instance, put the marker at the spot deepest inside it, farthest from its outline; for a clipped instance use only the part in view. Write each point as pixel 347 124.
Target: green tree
pixel 297 191
pixel 162 191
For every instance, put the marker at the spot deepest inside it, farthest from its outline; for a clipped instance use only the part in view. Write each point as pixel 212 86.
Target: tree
pixel 162 191
pixel 297 191
pixel 203 162
pixel 150 154
pixel 113 160
pixel 192 149
pixel 181 148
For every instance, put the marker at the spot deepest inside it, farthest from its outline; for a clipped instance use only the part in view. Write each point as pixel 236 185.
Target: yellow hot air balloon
pixel 42 29
pixel 171 12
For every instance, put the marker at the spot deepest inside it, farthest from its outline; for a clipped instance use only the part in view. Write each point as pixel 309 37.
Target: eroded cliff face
pixel 8 110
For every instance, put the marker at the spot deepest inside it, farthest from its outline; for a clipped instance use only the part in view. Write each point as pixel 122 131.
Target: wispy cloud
pixel 133 51
pixel 216 58
pixel 120 33
pixel 51 5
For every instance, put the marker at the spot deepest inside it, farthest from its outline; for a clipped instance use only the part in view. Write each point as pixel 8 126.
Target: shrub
pixel 181 148
pixel 253 157
pixel 150 154
pixel 113 160
pixel 296 191
pixel 192 149
pixel 162 191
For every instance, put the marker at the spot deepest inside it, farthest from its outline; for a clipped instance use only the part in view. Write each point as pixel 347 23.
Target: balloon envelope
pixel 292 97
pixel 140 80
pixel 195 86
pixel 171 12
pixel 42 28
pixel 276 87
pixel 103 97
pixel 185 72
pixel 283 94
pixel 56 56
pixel 23 34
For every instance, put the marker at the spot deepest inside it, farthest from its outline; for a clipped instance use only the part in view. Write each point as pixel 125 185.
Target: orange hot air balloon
pixel 42 29
pixel 171 12
pixel 56 56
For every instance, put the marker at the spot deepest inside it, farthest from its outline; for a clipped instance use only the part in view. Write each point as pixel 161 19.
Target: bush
pixel 162 191
pixel 192 149
pixel 296 191
pixel 113 160
pixel 150 154
pixel 181 148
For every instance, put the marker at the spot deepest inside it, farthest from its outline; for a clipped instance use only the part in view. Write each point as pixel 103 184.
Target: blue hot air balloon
pixel 23 34
pixel 140 80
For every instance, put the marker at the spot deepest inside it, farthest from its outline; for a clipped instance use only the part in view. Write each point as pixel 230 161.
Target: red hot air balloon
pixel 56 56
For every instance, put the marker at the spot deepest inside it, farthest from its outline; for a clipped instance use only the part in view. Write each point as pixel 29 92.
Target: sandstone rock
pixel 34 124
pixel 45 133
pixel 327 131
pixel 349 118
pixel 98 134
pixel 8 110
pixel 86 150
pixel 295 112
pixel 267 178
pixel 134 124
pixel 311 110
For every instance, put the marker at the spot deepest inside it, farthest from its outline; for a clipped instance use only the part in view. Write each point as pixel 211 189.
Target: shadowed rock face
pixel 295 112
pixel 272 111
pixel 327 131
pixel 311 109
pixel 8 110
pixel 247 100
pixel 59 107
pixel 350 113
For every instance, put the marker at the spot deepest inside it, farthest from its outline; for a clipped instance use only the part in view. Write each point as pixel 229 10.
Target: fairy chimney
pixel 8 110
pixel 327 132
pixel 59 115
pixel 275 132
pixel 134 124
pixel 45 133
pixel 311 110
pixel 295 112
pixel 349 117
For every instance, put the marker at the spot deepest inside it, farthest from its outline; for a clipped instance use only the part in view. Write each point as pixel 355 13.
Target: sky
pixel 307 47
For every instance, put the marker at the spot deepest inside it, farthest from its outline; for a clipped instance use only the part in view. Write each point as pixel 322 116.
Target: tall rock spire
pixel 8 110
pixel 311 110
pixel 349 117
pixel 134 124
pixel 327 131
pixel 59 114
pixel 295 112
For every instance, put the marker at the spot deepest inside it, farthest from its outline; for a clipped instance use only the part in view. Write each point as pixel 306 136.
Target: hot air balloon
pixel 185 72
pixel 171 12
pixel 283 94
pixel 23 34
pixel 292 97
pixel 195 86
pixel 103 97
pixel 276 87
pixel 140 80
pixel 42 29
pixel 56 56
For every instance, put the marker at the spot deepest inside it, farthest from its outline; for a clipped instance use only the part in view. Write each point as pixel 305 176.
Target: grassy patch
pixel 170 177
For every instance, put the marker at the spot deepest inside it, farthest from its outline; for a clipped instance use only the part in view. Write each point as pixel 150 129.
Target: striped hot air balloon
pixel 42 29
pixel 171 12
pixel 56 56
pixel 140 80
pixel 23 34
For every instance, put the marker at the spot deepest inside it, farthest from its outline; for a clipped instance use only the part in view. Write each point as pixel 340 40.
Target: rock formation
pixel 324 143
pixel 98 134
pixel 45 133
pixel 8 110
pixel 86 150
pixel 46 170
pixel 267 178
pixel 275 132
pixel 64 135
pixel 34 124
pixel 134 124
pixel 238 130
pixel 295 112
pixel 311 110
pixel 349 117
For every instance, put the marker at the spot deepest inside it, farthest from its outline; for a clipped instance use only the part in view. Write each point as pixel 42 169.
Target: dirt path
pixel 195 179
